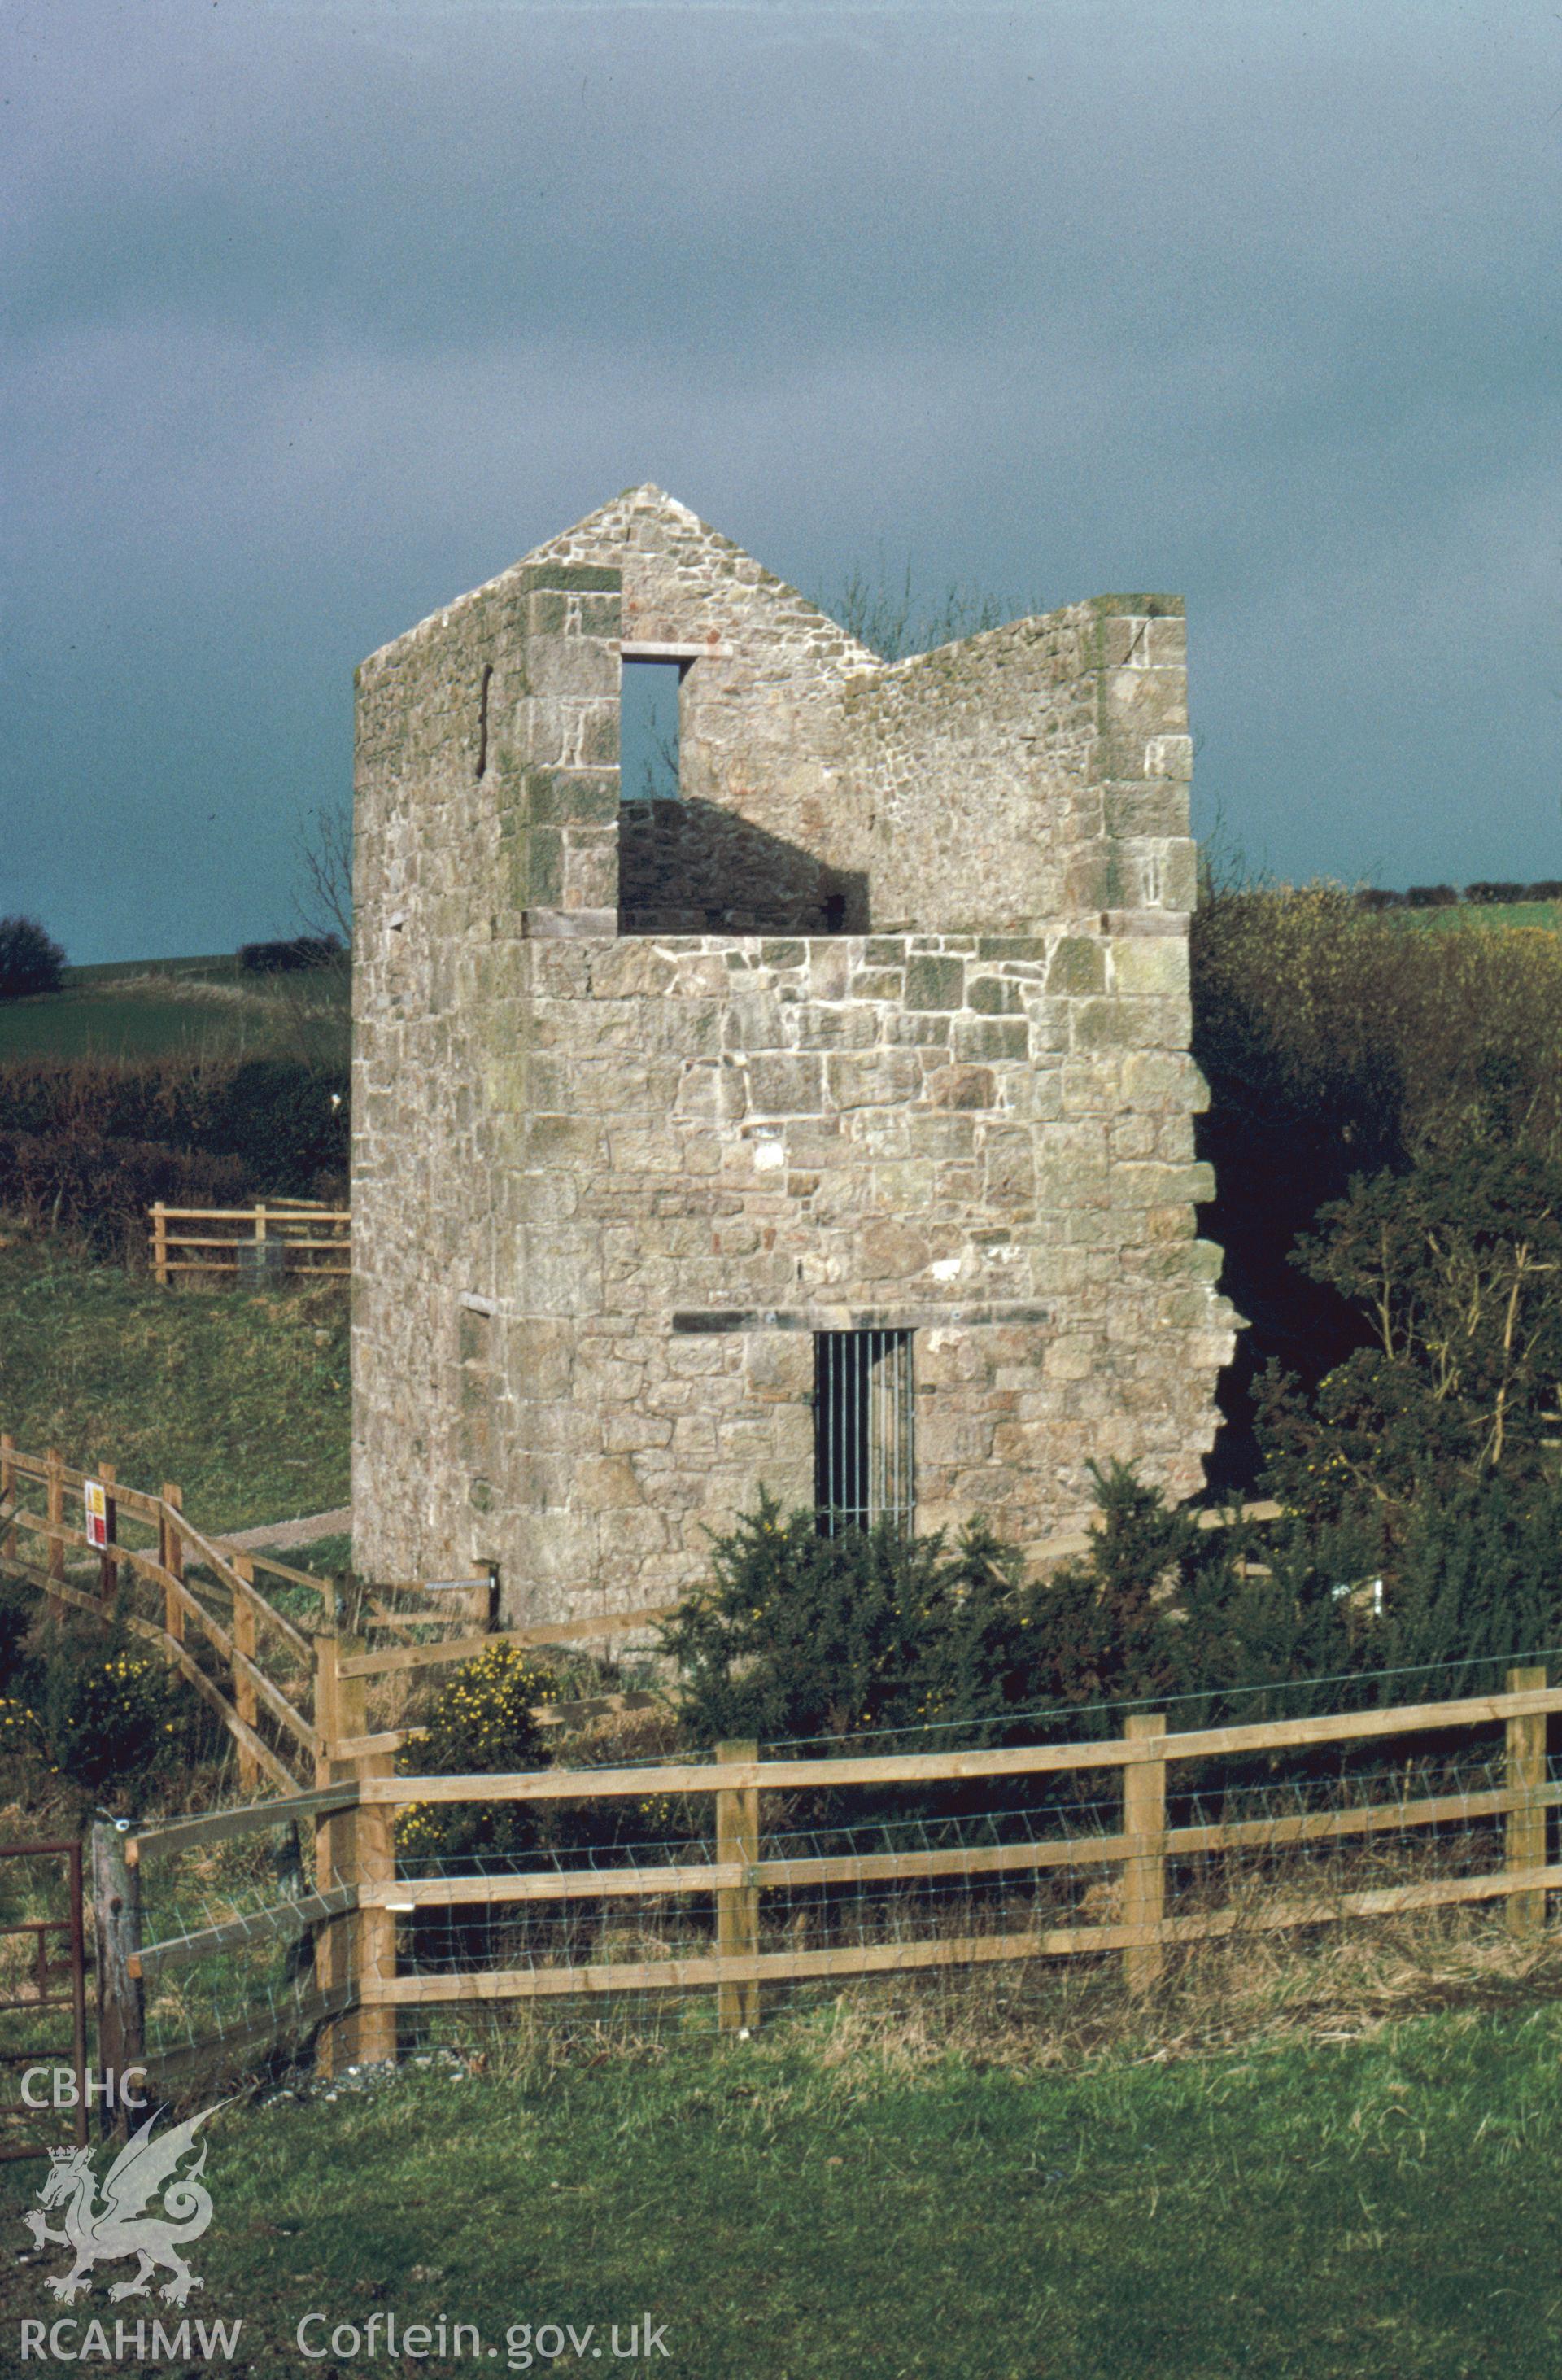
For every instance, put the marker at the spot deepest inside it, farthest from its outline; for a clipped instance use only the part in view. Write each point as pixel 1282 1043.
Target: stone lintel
pixel 690 1323
pixel 647 649
pixel 568 925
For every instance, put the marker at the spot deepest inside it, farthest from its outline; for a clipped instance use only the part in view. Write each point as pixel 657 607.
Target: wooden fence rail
pixel 263 1239
pixel 360 1893
pixel 266 1661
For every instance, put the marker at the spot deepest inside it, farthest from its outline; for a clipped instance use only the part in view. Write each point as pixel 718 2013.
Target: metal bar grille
pixel 862 1457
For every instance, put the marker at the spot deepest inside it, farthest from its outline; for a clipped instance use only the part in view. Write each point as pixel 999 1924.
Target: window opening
pixel 482 718
pixel 648 731
pixel 863 1406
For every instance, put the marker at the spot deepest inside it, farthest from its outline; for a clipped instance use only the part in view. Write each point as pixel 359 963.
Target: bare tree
pixel 894 621
pixel 324 847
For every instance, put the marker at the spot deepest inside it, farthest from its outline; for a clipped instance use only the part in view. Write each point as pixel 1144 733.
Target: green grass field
pixel 240 1396
pixel 1299 2211
pixel 1466 914
pixel 212 968
pixel 181 1007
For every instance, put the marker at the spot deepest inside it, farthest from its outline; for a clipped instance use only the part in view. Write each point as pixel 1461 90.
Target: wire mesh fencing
pixel 691 1897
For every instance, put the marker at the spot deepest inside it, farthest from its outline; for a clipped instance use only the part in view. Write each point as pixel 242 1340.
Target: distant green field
pixel 180 1006
pixel 1462 913
pixel 110 1025
pixel 222 967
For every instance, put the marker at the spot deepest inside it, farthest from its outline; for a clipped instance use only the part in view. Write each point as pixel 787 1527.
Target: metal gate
pixel 40 1987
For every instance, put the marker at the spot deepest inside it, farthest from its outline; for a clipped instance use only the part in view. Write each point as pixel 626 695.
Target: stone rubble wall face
pixel 586 1136
pixel 448 864
pixel 762 731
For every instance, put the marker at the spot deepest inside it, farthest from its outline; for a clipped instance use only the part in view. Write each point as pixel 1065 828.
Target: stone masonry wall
pixel 606 1185
pixel 1035 772
pixel 726 1144
pixel 685 866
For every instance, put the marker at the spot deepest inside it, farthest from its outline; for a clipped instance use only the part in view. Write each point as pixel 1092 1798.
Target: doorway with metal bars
pixel 863 1411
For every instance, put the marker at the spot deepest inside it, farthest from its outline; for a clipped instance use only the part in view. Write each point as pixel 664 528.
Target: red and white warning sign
pixel 94 1496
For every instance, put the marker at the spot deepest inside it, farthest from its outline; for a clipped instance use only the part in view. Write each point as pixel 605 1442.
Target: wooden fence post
pixel 244 1697
pixel 330 1840
pixel 328 1688
pixel 7 1491
pixel 737 1906
pixel 342 1840
pixel 373 2031
pixel 1525 1846
pixel 54 1484
pixel 171 1558
pixel 1143 1871
pixel 160 1244
pixel 367 1855
pixel 116 1927
pixel 108 1565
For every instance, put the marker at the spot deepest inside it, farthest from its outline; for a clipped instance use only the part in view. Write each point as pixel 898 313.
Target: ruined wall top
pixel 1033 772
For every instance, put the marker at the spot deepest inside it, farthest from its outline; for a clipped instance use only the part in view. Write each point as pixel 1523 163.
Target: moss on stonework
pixel 934 983
pixel 991 996
pixel 1079 966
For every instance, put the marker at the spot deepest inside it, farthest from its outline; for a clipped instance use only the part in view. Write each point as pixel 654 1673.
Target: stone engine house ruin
pixel 828 1126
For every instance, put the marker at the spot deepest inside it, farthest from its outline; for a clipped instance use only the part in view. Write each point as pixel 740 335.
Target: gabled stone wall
pixel 611 1178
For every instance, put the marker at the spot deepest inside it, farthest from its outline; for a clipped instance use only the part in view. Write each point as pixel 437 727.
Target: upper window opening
pixel 648 731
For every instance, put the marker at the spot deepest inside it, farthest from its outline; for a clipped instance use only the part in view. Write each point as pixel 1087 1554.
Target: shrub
pixel 799 1635
pixel 102 1188
pixel 480 1724
pixel 1455 1272
pixel 1338 1607
pixel 277 1118
pixel 29 962
pixel 18 1609
pixel 110 1715
pixel 93 1142
pixel 1336 1043
pixel 1430 896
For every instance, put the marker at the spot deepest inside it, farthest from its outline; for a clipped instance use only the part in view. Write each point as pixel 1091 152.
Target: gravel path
pixel 278 1535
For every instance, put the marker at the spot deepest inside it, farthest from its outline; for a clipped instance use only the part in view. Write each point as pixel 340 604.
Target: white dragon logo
pixel 119 2224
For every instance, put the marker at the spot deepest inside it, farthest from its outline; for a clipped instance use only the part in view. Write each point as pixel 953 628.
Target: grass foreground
pixel 804 2207
pixel 240 1396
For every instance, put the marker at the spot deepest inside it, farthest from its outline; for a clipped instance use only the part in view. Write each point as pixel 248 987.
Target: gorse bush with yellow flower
pixel 112 1716
pixel 86 1705
pixel 481 1724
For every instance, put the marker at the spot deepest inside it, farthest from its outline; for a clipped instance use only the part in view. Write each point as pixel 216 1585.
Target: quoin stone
pixel 827 1127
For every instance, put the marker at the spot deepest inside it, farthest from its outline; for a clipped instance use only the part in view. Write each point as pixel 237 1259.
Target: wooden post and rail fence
pixel 334 1773
pixel 267 1666
pixel 278 1235
pixel 361 1983
pixel 36 1546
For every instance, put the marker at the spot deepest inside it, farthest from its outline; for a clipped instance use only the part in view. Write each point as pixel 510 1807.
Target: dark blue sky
pixel 315 317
